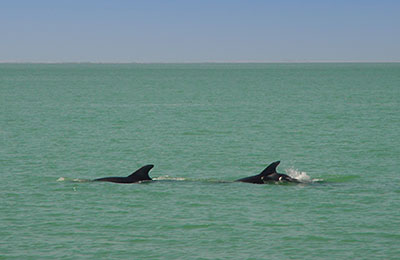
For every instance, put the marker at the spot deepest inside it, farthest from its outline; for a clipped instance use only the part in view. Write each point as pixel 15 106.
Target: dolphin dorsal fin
pixel 142 173
pixel 270 169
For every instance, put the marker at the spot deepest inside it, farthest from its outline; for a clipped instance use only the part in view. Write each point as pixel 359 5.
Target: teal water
pixel 335 126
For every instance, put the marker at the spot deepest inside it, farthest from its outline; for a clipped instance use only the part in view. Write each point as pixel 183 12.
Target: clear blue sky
pixel 199 31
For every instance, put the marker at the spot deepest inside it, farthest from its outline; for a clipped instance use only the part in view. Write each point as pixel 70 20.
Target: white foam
pixel 299 175
pixel 168 178
pixel 72 180
pixel 79 180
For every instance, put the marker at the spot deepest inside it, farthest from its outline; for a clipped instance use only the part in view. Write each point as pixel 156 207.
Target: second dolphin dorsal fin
pixel 142 174
pixel 270 169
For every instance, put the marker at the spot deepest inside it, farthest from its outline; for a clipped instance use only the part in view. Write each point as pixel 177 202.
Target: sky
pixel 199 31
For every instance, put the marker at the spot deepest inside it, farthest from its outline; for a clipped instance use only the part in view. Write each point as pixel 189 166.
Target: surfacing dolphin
pixel 141 174
pixel 269 175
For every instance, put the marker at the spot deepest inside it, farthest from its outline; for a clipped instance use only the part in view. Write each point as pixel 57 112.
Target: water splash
pixel 169 178
pixel 72 180
pixel 300 175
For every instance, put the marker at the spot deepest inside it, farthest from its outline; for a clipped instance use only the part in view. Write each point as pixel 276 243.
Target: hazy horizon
pixel 223 31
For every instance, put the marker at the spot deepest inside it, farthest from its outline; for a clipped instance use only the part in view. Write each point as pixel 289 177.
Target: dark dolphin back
pixel 259 179
pixel 270 169
pixel 252 179
pixel 141 175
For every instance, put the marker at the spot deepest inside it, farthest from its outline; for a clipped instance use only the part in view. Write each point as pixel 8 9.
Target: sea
pixel 333 126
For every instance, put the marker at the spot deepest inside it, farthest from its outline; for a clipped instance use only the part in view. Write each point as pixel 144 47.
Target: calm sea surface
pixel 334 126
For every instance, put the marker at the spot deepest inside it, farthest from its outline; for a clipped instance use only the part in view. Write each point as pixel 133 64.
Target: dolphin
pixel 139 175
pixel 269 175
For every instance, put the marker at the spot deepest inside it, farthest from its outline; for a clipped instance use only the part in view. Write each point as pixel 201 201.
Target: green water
pixel 335 126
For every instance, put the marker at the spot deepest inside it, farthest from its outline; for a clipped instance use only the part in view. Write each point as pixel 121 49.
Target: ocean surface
pixel 336 127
